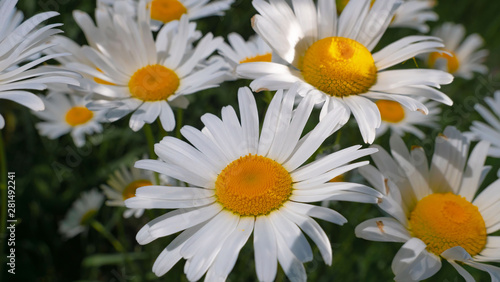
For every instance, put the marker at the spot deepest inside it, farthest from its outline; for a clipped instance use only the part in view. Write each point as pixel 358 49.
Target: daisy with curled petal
pixel 66 113
pixel 489 131
pixel 18 42
pixel 243 182
pixel 332 58
pixel 462 58
pixel 122 184
pixel 400 120
pixel 411 14
pixel 81 212
pixel 239 51
pixel 133 73
pixel 435 212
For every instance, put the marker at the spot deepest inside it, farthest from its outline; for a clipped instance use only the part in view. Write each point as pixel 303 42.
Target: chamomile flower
pixel 411 14
pixel 81 212
pixel 240 183
pixel 122 184
pixel 400 120
pixel 489 131
pixel 332 58
pixel 19 42
pixel 239 51
pixel 435 212
pixel 66 113
pixel 165 11
pixel 462 57
pixel 130 72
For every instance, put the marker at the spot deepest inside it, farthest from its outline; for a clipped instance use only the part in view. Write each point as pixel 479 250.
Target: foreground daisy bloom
pixel 411 14
pixel 463 57
pixel 81 212
pixel 67 114
pixel 401 120
pixel 489 131
pixel 241 183
pixel 122 185
pixel 18 42
pixel 435 212
pixel 239 51
pixel 130 72
pixel 332 58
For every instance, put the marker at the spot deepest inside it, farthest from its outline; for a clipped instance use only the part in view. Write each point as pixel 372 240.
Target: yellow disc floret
pixel 452 63
pixel 78 115
pixel 390 111
pixel 129 191
pixel 253 185
pixel 259 58
pixel 339 66
pixel 445 221
pixel 167 10
pixel 153 83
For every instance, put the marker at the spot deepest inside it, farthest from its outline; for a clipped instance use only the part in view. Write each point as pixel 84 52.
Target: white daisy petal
pixel 413 262
pixel 265 246
pixel 382 229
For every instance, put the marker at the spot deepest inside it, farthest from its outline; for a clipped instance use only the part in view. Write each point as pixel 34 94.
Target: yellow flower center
pixel 153 83
pixel 101 81
pixel 78 115
pixel 339 66
pixel 129 191
pixel 167 10
pixel 259 58
pixel 87 217
pixel 253 185
pixel 445 221
pixel 452 63
pixel 390 111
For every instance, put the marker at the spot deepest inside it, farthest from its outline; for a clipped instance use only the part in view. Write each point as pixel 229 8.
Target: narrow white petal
pixel 265 249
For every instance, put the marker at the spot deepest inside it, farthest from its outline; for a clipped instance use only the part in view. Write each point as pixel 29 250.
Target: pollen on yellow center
pixel 390 111
pixel 339 66
pixel 259 58
pixel 253 185
pixel 153 83
pixel 78 115
pixel 444 221
pixel 452 63
pixel 167 10
pixel 129 191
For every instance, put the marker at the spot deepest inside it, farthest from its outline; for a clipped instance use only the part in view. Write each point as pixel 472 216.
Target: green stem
pixel 151 146
pixel 3 209
pixel 180 115
pixel 102 230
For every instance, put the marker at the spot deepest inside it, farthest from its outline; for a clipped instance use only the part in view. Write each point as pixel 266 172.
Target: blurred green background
pixel 51 174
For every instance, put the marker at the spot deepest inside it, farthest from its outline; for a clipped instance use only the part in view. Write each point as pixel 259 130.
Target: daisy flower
pixel 131 72
pixel 411 14
pixel 332 58
pixel 20 42
pixel 122 184
pixel 400 120
pixel 435 212
pixel 462 57
pixel 66 113
pixel 414 14
pixel 239 51
pixel 81 212
pixel 165 11
pixel 489 131
pixel 240 183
